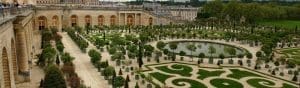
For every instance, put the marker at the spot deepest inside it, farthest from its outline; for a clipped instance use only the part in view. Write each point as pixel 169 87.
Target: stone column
pixel 125 19
pixel 22 50
pixel 135 23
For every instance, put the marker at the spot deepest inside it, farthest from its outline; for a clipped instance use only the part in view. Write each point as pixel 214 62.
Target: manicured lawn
pixel 226 83
pixel 183 77
pixel 260 83
pixel 160 76
pixel 193 83
pixel 205 74
pixel 292 53
pixel 238 74
pixel 179 69
pixel 290 24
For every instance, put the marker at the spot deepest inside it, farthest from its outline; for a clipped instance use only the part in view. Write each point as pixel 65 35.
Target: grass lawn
pixel 258 83
pixel 238 74
pixel 290 24
pixel 226 83
pixel 292 53
pixel 193 83
pixel 159 76
pixel 205 74
pixel 179 69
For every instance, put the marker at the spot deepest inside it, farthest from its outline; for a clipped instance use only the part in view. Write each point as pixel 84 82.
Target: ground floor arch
pixel 42 22
pixel 5 68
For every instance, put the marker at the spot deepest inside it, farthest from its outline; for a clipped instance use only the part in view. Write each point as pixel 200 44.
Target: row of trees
pixel 252 12
pixel 82 44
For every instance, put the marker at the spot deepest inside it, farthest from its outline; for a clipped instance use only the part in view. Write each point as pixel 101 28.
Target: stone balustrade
pixel 11 12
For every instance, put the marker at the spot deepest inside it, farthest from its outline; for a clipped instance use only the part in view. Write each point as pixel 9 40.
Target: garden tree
pixel 95 56
pixel 173 46
pixel 41 83
pixel 136 85
pixel 109 71
pixel 60 47
pixel 119 81
pixel 231 51
pixel 100 42
pixel 113 78
pixel 140 56
pixel 201 55
pixel 54 78
pixel 131 48
pixel 249 56
pixel 295 78
pixel 118 56
pixel 232 10
pixel 127 78
pixel 241 56
pixel 273 72
pixel 120 72
pixel 47 56
pixel 182 53
pixel 57 60
pixel 214 8
pixel 66 58
pixel 126 85
pixel 221 56
pixel 112 50
pixel 276 63
pixel 211 50
pixel 192 48
pixel 258 54
pixel 148 50
pixel 160 45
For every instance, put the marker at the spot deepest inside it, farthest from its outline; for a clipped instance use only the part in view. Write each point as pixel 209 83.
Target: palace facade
pixel 20 39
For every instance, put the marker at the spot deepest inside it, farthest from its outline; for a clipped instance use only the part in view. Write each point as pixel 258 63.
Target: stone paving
pixel 83 67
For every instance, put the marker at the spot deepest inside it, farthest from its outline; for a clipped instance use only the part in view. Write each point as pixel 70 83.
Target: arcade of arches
pixel 45 21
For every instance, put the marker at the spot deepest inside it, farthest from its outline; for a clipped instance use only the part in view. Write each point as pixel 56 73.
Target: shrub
pixel 95 56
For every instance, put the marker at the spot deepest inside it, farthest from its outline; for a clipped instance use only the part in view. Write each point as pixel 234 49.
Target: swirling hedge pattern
pixel 185 82
pixel 179 69
pixel 225 83
pixel 260 83
pixel 182 76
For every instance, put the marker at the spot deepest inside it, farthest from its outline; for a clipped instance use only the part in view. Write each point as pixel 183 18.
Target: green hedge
pixel 82 44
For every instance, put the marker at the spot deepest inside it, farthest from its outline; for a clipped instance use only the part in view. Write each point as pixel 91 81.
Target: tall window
pixel 150 21
pixel 101 20
pixel 42 21
pixel 55 21
pixel 73 20
pixel 130 20
pixel 88 20
pixel 113 20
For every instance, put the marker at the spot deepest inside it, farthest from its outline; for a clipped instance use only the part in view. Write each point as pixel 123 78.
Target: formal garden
pixel 175 74
pixel 212 56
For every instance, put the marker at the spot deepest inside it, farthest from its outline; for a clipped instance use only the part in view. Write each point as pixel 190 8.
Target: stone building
pixel 20 28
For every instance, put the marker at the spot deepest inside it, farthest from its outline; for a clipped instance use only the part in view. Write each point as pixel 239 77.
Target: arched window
pixel 42 22
pixel 101 20
pixel 113 20
pixel 55 21
pixel 150 21
pixel 88 20
pixel 74 20
pixel 5 67
pixel 130 20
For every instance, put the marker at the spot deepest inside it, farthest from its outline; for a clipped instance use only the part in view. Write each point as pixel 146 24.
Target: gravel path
pixel 83 67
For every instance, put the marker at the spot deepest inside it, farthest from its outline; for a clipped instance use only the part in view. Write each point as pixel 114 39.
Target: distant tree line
pixel 235 10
